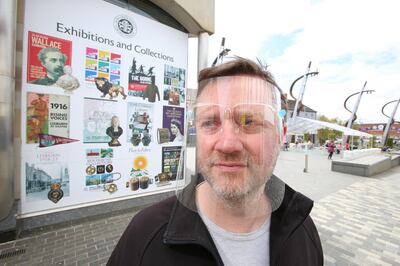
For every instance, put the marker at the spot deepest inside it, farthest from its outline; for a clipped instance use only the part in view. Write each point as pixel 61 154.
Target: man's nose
pixel 229 139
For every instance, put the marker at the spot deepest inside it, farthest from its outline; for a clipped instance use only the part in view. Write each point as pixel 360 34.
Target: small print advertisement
pixel 173 120
pixel 47 58
pixel 140 76
pixel 102 64
pixel 174 85
pixel 170 161
pixel 97 117
pixel 140 116
pixel 46 114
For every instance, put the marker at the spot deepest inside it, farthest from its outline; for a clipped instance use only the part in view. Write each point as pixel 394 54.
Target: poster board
pixel 99 84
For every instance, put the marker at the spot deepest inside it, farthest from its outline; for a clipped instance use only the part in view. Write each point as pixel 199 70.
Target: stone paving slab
pixel 360 225
pixel 358 220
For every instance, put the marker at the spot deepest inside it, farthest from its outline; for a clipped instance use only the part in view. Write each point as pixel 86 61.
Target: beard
pixel 237 186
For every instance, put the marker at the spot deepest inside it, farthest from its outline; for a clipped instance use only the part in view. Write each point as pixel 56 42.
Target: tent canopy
pixel 301 125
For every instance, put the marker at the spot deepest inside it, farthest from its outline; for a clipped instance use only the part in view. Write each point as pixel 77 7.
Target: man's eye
pixel 209 123
pixel 247 120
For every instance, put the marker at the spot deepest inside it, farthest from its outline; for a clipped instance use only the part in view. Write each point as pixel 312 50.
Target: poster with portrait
pixel 46 114
pixel 47 56
pixel 173 120
pixel 97 116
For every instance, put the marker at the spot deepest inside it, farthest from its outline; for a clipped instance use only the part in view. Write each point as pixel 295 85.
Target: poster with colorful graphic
pixel 140 123
pixel 103 64
pixel 140 76
pixel 139 175
pixel 46 114
pixel 47 56
pixel 170 160
pixel 99 168
pixel 97 116
pixel 174 85
pixel 173 120
pixel 174 76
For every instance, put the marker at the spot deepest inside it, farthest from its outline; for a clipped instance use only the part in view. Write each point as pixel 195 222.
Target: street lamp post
pixel 301 93
pixel 390 121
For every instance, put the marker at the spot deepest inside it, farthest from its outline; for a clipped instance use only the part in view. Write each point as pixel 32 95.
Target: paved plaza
pixel 358 219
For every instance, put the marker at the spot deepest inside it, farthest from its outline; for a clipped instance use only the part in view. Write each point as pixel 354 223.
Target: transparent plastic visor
pixel 237 139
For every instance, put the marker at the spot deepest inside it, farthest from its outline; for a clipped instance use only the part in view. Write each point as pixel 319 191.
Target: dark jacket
pixel 169 233
pixel 150 92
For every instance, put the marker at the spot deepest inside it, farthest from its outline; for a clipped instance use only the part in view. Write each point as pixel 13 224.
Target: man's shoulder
pixel 157 213
pixel 143 232
pixel 43 81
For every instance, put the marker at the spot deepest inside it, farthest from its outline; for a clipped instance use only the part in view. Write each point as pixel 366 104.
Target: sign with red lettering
pixel 47 57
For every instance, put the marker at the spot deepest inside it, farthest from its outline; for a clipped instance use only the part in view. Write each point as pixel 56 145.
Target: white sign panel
pixel 103 104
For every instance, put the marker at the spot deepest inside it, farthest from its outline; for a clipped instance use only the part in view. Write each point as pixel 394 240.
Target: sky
pixel 348 41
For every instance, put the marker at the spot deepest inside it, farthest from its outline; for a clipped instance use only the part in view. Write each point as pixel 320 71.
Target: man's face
pixel 236 161
pixel 115 122
pixel 54 63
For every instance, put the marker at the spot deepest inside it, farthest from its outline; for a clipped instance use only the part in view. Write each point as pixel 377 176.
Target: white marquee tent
pixel 301 125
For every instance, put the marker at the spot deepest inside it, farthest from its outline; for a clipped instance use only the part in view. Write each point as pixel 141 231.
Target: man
pixel 53 61
pixel 40 110
pixel 234 212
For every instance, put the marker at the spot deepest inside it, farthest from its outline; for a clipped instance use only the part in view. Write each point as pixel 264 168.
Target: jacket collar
pixel 289 209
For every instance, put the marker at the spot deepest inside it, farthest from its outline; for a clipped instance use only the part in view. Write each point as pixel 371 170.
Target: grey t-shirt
pixel 239 249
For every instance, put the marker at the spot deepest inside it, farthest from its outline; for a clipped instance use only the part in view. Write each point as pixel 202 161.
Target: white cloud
pixel 349 41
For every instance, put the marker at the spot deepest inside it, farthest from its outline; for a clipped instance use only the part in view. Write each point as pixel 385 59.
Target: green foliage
pixel 374 144
pixel 307 137
pixel 389 143
pixel 328 134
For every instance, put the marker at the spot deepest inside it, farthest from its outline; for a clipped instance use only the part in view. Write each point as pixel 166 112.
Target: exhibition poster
pixel 103 105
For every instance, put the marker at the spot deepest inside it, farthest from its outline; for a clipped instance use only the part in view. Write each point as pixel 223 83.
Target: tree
pixel 325 134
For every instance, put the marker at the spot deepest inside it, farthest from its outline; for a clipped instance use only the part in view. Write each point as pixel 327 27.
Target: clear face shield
pixel 238 133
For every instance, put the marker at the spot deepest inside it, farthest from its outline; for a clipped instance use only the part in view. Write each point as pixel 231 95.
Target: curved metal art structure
pixel 223 52
pixel 299 104
pixel 345 105
pixel 390 122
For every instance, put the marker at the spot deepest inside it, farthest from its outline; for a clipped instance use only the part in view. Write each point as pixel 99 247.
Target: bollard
pixel 305 163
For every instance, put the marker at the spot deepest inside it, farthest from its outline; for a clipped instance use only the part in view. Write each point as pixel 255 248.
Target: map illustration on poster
pixel 102 110
pixel 96 119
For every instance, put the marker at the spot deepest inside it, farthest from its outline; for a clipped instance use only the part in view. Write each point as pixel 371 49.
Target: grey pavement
pixel 358 219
